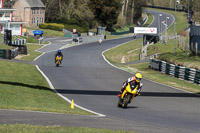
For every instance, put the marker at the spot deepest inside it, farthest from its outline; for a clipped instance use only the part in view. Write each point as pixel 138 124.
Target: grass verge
pixel 48 33
pixel 181 20
pixel 20 128
pixel 3 46
pixel 161 78
pixel 32 54
pixel 124 53
pixel 116 55
pixel 22 87
pixel 149 21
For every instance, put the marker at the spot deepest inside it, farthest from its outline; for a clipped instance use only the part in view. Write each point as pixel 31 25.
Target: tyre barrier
pixel 180 72
pixel 8 54
pixel 22 49
pixel 19 42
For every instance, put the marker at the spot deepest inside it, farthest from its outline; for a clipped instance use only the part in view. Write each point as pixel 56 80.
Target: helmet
pixel 59 51
pixel 138 77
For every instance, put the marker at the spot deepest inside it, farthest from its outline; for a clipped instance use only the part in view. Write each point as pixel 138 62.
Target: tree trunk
pixel 123 3
pixel 60 6
pixel 132 11
pixel 126 8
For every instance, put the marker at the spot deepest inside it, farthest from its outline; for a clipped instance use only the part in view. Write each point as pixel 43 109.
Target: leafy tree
pixel 106 11
pixel 79 13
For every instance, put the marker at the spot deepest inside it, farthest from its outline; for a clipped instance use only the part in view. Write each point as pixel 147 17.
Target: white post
pixel 166 30
pixel 160 26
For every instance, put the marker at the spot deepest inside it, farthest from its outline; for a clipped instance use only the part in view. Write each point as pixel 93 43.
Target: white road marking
pixel 65 98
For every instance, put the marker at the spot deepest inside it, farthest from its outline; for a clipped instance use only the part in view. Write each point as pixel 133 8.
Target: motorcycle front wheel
pixel 126 100
pixel 57 63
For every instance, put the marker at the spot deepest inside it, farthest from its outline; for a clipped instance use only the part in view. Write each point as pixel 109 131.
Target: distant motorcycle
pixel 127 96
pixel 58 60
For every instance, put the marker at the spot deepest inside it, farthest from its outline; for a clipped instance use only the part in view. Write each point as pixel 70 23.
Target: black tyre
pixel 120 102
pixel 57 63
pixel 126 100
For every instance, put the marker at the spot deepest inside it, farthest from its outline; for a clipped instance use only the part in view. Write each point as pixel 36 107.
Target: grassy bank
pixel 181 20
pixel 161 78
pixel 53 129
pixel 47 32
pixel 24 88
pixel 149 21
pixel 32 54
pixel 116 55
pixel 124 53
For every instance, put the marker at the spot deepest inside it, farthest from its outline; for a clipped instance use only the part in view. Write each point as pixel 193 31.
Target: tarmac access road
pixel 92 83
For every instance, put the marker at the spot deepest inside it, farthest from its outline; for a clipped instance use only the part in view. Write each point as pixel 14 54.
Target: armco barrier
pixel 180 72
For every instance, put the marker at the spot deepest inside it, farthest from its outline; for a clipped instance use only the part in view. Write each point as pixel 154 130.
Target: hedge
pixel 52 26
pixel 59 27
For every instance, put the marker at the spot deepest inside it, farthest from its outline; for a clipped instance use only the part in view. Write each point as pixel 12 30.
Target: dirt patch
pixel 20 56
pixel 123 59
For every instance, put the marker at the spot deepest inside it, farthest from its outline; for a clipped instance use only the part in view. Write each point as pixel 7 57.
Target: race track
pixel 93 83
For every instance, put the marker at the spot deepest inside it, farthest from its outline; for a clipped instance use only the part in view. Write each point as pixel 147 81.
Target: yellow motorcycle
pixel 127 96
pixel 58 60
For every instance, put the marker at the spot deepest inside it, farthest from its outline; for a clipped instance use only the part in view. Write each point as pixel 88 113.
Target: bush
pixel 52 26
pixel 59 27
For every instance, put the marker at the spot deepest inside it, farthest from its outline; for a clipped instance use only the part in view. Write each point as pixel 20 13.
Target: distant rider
pixel 59 53
pixel 135 82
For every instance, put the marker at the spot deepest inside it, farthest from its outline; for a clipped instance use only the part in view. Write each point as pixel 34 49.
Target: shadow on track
pixel 25 85
pixel 145 94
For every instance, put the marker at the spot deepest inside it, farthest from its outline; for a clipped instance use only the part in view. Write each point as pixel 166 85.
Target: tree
pixel 106 12
pixel 79 12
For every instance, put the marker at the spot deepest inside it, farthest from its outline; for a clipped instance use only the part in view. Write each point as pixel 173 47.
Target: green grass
pixel 32 54
pixel 48 33
pixel 21 128
pixel 149 21
pixel 181 20
pixel 124 53
pixel 161 78
pixel 125 28
pixel 167 54
pixel 3 46
pixel 22 87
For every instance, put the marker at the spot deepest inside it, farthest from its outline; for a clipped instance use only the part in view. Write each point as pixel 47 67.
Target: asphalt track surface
pixel 92 83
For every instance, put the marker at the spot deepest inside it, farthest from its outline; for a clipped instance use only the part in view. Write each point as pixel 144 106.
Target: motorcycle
pixel 58 60
pixel 128 95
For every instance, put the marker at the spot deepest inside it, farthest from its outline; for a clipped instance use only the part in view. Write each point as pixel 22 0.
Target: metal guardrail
pixel 180 72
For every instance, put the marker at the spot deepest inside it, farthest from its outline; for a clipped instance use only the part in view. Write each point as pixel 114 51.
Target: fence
pixel 180 72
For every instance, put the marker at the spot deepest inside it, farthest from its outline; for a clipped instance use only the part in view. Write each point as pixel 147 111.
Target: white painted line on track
pixel 65 98
pixel 39 56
